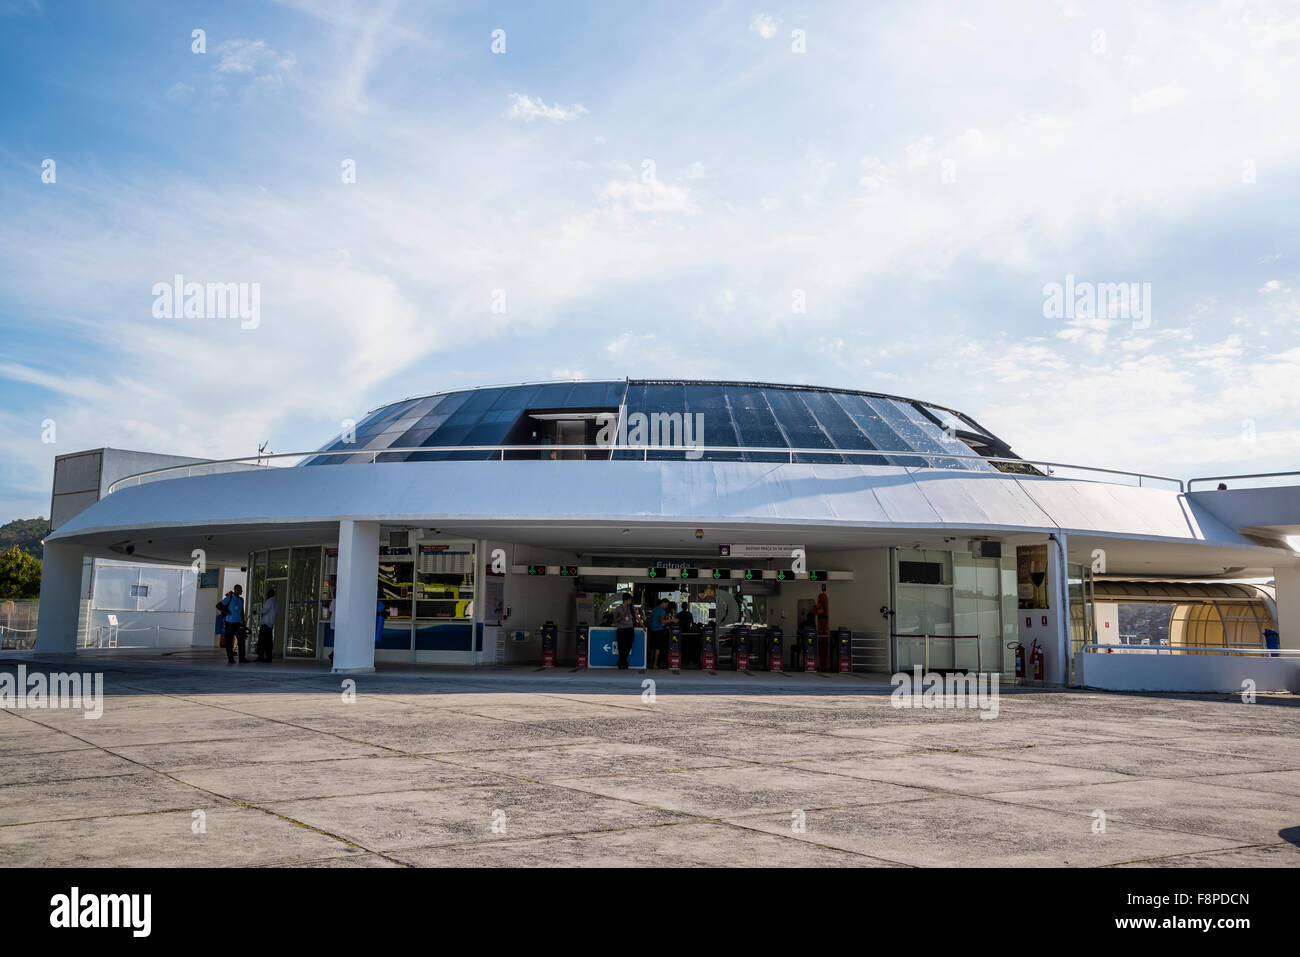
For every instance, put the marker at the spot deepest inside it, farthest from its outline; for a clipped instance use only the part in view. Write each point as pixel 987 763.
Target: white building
pixel 474 517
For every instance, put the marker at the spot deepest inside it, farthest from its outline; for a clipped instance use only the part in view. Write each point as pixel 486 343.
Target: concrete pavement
pixel 200 764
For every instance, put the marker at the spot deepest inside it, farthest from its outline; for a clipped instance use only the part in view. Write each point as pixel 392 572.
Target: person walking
pixel 624 629
pixel 235 631
pixel 266 626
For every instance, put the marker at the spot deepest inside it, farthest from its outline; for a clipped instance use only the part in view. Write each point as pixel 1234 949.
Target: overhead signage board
pixel 758 551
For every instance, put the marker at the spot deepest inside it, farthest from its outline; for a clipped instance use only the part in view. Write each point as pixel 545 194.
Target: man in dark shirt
pixel 624 629
pixel 658 638
pixel 235 625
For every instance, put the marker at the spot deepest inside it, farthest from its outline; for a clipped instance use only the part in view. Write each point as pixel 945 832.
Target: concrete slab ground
pixel 196 763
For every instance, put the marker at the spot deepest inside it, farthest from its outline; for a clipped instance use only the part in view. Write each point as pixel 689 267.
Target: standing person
pixel 221 619
pixel 658 633
pixel 266 626
pixel 624 629
pixel 686 628
pixel 235 625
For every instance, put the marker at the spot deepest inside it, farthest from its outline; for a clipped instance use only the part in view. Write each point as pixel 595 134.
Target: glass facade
pixel 424 597
pixel 954 611
pixel 732 415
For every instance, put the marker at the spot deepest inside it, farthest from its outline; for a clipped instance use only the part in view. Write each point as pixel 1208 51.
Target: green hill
pixel 26 533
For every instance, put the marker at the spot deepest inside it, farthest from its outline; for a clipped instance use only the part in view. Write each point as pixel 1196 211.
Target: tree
pixel 20 575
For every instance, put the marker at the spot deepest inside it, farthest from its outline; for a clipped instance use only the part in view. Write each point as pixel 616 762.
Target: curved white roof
pixel 487 498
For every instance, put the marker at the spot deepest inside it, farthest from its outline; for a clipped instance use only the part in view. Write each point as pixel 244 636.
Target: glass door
pixel 298 632
pixel 923 605
pixel 277 577
pixel 977 611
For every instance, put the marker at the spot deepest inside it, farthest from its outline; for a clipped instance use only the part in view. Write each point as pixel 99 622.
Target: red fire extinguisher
pixel 1036 659
pixel 1020 661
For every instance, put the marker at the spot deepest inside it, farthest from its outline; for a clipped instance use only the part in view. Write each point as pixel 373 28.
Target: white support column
pixel 1288 606
pixel 1060 674
pixel 56 624
pixel 354 606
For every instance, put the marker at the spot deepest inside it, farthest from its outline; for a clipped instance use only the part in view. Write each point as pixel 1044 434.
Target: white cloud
pixel 764 25
pixel 252 57
pixel 524 107
pixel 907 273
pixel 647 197
pixel 1159 98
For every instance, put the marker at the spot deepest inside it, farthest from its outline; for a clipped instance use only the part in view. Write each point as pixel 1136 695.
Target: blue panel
pixel 799 426
pixel 928 437
pixel 458 637
pixel 602 649
pixel 396 638
pixel 755 423
pixel 875 428
pixel 710 401
pixel 735 414
pixel 843 430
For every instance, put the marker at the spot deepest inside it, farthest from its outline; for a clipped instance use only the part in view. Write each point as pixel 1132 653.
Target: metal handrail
pixel 1201 649
pixel 256 461
pixel 925 648
pixel 1229 478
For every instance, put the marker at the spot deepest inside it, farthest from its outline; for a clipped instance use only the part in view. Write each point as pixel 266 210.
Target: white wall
pixel 535 600
pixel 1136 671
pixel 162 618
pixel 1288 606
pixel 1105 614
pixel 854 605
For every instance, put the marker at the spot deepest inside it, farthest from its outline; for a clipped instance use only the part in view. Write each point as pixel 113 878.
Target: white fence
pixel 18 623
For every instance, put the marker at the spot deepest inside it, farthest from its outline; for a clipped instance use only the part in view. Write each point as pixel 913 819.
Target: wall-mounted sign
pixel 1031 576
pixel 758 551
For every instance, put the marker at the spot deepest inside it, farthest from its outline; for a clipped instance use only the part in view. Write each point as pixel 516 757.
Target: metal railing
pixel 1225 479
pixel 1169 649
pixel 689 453
pixel 925 650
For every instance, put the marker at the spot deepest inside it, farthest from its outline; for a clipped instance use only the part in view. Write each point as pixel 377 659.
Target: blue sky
pixel 649 188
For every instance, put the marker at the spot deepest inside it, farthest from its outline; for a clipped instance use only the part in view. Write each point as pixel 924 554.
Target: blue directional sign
pixel 602 649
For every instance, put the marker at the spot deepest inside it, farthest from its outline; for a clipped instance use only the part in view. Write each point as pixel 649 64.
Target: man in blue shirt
pixel 235 625
pixel 659 633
